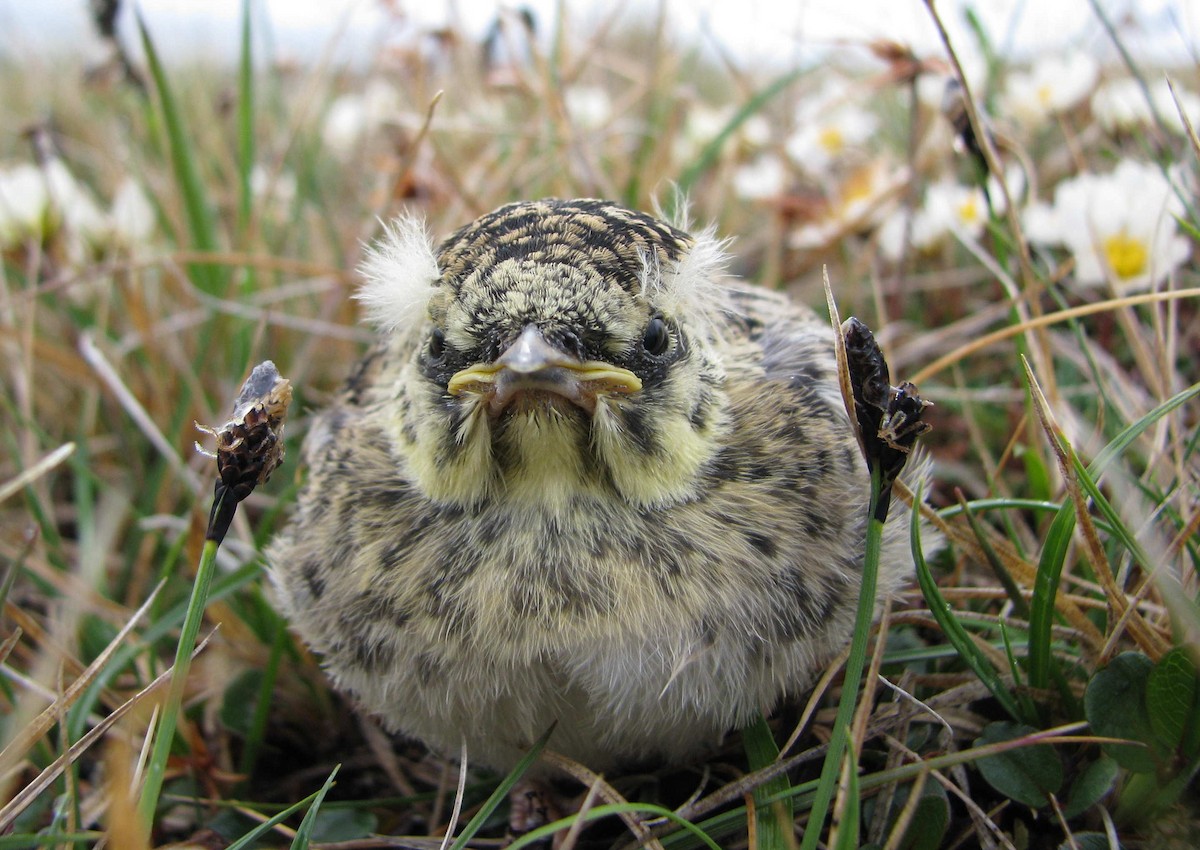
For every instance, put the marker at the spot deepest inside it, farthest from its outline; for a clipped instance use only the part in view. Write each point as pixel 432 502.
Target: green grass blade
pixel 692 831
pixel 1045 589
pixel 774 819
pixel 854 668
pixel 245 124
pixel 989 552
pixel 184 157
pixel 304 833
pixel 1058 539
pixel 263 828
pixel 156 768
pixel 1124 439
pixel 955 633
pixel 501 793
pixel 848 828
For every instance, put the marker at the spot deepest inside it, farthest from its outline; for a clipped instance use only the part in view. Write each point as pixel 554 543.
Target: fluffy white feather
pixel 400 274
pixel 695 283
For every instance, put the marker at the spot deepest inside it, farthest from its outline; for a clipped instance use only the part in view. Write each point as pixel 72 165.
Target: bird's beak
pixel 531 364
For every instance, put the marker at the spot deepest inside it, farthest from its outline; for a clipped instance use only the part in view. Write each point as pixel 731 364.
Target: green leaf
pixel 1041 660
pixel 1115 707
pixel 343 825
pixel 1027 775
pixel 1171 697
pixel 1096 780
pixel 1036 475
pixel 928 825
pixel 931 815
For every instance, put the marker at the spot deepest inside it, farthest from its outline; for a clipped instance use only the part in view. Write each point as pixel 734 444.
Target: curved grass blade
pixel 774 819
pixel 955 633
pixel 184 156
pixel 501 793
pixel 304 833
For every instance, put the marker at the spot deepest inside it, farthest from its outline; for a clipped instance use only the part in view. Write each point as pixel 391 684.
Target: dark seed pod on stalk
pixel 888 418
pixel 250 445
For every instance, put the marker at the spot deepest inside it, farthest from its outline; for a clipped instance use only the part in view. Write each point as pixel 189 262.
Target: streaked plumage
pixel 519 513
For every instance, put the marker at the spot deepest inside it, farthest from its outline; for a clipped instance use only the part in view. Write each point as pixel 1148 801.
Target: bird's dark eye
pixel 656 337
pixel 437 343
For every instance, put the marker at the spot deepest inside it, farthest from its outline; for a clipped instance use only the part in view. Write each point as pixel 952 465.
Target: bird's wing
pixel 787 341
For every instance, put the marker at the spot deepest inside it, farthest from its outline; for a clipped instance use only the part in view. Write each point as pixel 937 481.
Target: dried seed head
pixel 888 418
pixel 250 445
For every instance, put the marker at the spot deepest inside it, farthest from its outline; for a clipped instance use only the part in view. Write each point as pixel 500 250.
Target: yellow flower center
pixel 1126 256
pixel 1044 93
pixel 858 187
pixel 968 211
pixel 832 140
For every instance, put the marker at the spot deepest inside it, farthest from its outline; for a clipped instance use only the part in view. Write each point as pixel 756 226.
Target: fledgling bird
pixel 584 479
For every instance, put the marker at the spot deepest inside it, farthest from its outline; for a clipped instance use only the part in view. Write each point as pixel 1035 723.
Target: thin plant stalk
pixel 156 768
pixel 854 669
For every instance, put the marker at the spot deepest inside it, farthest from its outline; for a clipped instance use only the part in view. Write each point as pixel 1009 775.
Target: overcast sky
pixel 777 29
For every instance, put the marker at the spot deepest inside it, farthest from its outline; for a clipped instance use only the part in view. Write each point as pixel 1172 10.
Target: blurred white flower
pixel 589 107
pixel 765 177
pixel 24 203
pixel 274 188
pixel 1053 84
pixel 704 123
pixel 132 215
pixel 1119 227
pixel 38 201
pixel 1122 105
pixel 829 128
pixel 73 206
pixel 949 208
pixel 860 200
pixel 352 117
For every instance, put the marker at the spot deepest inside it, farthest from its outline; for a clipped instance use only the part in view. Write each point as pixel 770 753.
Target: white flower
pixel 765 177
pixel 1119 227
pixel 38 201
pixel 278 189
pixel 1122 105
pixel 24 203
pixel 949 208
pixel 73 205
pixel 859 200
pixel 353 117
pixel 589 107
pixel 704 123
pixel 829 129
pixel 1054 84
pixel 132 214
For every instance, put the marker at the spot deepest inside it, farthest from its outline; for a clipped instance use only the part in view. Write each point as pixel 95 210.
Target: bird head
pixel 549 348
